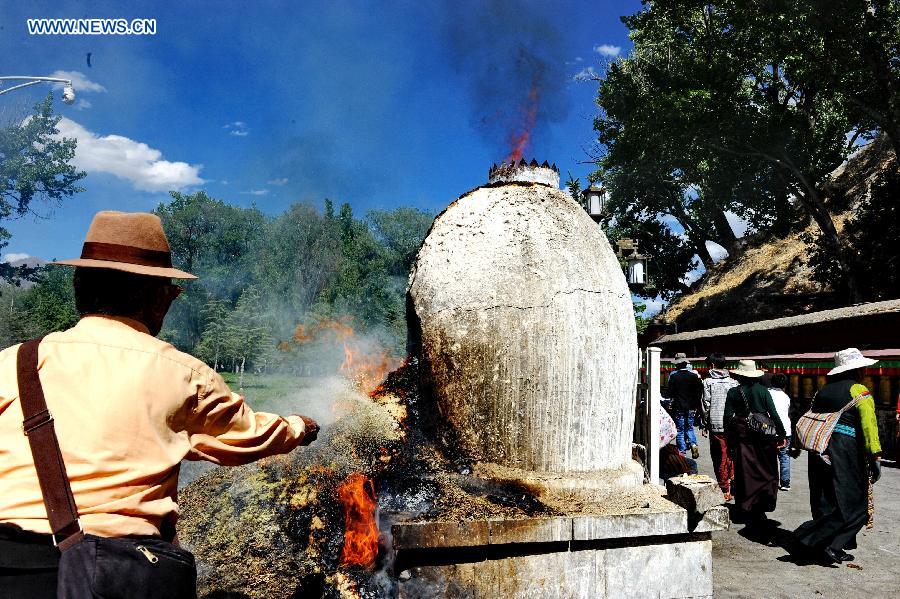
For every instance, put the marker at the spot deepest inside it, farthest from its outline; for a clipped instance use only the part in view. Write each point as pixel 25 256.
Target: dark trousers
pixel 842 497
pixel 28 565
pixel 816 473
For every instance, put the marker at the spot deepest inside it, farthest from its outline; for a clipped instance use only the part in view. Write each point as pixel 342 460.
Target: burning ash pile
pixel 317 522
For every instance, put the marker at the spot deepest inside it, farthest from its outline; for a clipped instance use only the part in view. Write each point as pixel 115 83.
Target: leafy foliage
pixel 35 165
pixel 743 107
pixel 47 306
pixel 872 236
pixel 259 277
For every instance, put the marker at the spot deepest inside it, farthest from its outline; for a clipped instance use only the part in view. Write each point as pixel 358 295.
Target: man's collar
pixel 129 322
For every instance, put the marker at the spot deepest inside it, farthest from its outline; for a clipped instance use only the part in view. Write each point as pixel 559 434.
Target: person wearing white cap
pixel 839 490
pixel 755 454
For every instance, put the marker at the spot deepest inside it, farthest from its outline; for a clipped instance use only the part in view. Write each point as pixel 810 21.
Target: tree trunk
pixel 241 378
pixel 724 233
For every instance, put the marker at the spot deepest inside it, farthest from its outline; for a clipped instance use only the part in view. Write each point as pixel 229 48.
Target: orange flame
pixel 367 369
pixel 357 496
pixel 519 141
pixel 366 363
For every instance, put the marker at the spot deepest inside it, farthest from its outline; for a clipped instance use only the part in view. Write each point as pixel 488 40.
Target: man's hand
pixel 782 444
pixel 312 430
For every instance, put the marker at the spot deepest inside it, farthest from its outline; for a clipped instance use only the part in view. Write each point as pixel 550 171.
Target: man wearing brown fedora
pixel 126 408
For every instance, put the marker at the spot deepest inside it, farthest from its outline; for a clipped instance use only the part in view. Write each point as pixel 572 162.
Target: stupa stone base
pixel 656 549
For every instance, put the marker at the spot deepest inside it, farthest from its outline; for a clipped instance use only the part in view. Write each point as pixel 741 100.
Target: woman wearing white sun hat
pixel 839 490
pixel 755 456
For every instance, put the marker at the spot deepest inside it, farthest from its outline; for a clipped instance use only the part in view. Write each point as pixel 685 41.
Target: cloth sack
pixel 814 429
pixel 667 429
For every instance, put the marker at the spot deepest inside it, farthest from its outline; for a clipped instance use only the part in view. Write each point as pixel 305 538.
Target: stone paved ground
pixel 744 568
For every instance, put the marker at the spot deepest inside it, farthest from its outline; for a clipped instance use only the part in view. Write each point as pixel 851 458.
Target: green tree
pixel 34 165
pixel 301 255
pixel 217 242
pixel 711 112
pixel 400 232
pixel 213 345
pixel 361 286
pixel 49 305
pixel 851 49
pixel 246 334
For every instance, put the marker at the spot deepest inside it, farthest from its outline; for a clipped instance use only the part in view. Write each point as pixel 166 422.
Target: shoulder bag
pixel 814 429
pixel 92 566
pixel 758 422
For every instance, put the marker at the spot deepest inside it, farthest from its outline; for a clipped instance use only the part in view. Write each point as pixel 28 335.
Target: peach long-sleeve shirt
pixel 127 408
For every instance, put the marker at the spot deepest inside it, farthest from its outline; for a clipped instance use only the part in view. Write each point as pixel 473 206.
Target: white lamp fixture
pixel 68 95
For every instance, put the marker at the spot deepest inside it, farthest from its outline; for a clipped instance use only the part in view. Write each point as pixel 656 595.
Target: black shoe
pixel 784 488
pixel 844 556
pixel 830 557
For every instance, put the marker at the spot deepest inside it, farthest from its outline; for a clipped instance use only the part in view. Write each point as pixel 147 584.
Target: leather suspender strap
pixel 48 461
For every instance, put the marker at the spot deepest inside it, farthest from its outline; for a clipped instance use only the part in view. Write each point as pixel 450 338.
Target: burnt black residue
pixel 505 493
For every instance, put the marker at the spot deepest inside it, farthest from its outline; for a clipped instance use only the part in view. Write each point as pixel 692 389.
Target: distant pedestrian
pixel 839 475
pixel 755 454
pixel 715 389
pixel 777 383
pixel 685 390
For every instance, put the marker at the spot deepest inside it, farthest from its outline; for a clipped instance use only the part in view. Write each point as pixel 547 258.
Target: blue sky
pixel 378 104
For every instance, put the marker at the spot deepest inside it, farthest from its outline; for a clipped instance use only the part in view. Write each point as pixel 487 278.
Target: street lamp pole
pixel 68 91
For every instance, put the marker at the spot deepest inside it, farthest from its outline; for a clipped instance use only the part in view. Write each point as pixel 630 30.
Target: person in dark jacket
pixel 755 456
pixel 839 480
pixel 685 389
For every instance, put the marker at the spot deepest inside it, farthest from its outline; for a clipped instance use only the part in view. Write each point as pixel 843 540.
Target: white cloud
pixel 256 192
pixel 12 257
pixel 238 128
pixel 79 81
pixel 279 181
pixel 82 104
pixel 585 74
pixel 608 50
pixel 716 251
pixel 127 159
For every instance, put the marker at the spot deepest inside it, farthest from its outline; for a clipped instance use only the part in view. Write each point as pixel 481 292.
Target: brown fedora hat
pixel 128 241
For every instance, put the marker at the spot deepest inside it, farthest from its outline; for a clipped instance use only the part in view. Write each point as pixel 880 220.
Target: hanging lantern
pixel 635 263
pixel 637 269
pixel 594 199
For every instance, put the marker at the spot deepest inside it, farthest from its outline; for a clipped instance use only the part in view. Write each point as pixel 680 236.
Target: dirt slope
pixel 770 277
